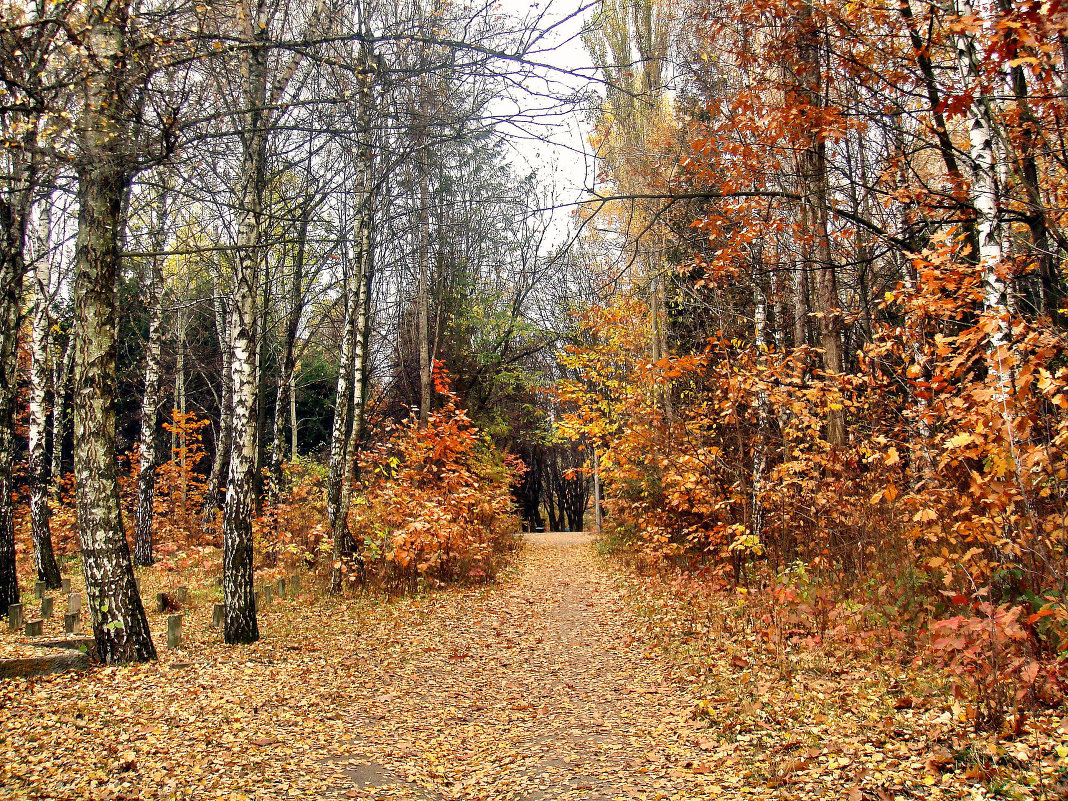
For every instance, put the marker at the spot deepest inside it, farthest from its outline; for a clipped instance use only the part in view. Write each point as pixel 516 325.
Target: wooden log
pixel 87 644
pixel 26 667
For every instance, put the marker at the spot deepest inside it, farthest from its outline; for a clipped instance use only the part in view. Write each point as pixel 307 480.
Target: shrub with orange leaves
pixel 435 503
pixel 294 527
pixel 718 462
pixel 180 484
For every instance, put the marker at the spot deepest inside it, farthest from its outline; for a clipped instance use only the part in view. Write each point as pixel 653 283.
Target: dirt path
pixel 532 688
pixel 538 690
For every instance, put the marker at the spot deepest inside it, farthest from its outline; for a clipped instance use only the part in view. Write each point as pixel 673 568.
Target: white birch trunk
pixel 150 402
pixel 44 556
pixel 240 625
pixel 120 625
pixel 760 455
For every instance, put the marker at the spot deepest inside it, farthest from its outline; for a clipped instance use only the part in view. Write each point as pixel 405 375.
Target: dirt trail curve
pixel 530 688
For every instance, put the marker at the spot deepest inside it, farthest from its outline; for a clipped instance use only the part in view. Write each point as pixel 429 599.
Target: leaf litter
pixel 564 679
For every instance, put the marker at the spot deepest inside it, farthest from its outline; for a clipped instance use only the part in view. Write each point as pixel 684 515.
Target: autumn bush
pixel 948 488
pixel 293 528
pixel 180 483
pixel 435 504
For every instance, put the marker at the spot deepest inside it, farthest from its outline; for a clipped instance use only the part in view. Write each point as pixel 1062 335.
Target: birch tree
pixel 40 375
pixel 119 622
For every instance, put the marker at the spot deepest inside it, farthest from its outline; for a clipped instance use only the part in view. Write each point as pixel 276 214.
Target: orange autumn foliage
pixel 894 530
pixel 435 502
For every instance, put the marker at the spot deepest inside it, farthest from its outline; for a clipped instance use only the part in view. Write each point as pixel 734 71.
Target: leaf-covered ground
pixel 565 679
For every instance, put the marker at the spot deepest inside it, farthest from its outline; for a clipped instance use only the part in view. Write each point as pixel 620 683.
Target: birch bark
pixel 14 208
pixel 360 330
pixel 150 438
pixel 240 625
pixel 44 556
pixel 119 622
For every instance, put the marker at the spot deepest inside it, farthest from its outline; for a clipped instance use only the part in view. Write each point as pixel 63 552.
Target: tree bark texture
pixel 118 617
pixel 339 433
pixel 150 437
pixel 44 556
pixel 343 542
pixel 812 171
pixel 13 219
pixel 239 597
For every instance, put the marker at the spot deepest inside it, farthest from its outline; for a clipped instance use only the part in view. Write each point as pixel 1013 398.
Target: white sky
pixel 564 158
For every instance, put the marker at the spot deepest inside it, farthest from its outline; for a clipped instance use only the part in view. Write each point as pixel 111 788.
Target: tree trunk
pixel 339 434
pixel 293 451
pixel 260 372
pixel 812 171
pixel 239 597
pixel 146 476
pixel 550 500
pixel 61 371
pixel 922 54
pixel 343 541
pixel 1026 165
pixel 13 213
pixel 178 442
pixel 422 300
pixel 44 556
pixel 289 350
pixel 119 622
pixel 220 465
pixel 760 454
pixel 800 293
pixel 596 490
pixel 984 190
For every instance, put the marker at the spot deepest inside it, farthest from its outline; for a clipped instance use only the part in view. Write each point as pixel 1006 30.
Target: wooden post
pixel 14 617
pixel 174 631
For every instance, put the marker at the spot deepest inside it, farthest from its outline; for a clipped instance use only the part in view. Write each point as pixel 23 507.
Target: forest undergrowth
pixel 847 713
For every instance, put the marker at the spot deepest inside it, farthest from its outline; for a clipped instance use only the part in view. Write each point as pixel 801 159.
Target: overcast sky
pixel 564 156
